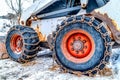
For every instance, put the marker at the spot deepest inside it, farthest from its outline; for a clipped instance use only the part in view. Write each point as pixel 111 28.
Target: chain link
pixel 103 35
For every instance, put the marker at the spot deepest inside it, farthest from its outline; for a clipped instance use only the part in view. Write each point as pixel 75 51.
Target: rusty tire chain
pixel 112 27
pixel 27 55
pixel 108 44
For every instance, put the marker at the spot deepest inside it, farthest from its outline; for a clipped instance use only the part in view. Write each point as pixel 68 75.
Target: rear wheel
pixel 82 45
pixel 22 43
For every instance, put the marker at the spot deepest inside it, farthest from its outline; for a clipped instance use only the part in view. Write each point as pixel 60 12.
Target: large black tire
pixel 100 37
pixel 26 48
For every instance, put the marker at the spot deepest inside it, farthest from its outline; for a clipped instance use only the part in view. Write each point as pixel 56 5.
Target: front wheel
pixel 22 43
pixel 82 45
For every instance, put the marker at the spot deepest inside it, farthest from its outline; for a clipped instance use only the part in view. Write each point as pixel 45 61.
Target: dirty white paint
pixel 47 26
pixel 10 70
pixel 35 7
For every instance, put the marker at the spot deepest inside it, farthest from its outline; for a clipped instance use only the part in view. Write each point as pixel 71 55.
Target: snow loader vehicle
pixel 81 39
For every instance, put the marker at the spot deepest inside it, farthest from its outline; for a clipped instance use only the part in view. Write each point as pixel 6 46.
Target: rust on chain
pixel 106 53
pixel 111 25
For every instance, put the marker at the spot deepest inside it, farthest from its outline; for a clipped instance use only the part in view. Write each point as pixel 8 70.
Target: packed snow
pixel 42 67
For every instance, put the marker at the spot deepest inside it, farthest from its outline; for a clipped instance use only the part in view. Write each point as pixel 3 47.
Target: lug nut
pixel 77 52
pixel 71 44
pixel 84 41
pixel 72 49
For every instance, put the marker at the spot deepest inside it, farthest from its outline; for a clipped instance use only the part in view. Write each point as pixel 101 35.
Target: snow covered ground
pixel 42 69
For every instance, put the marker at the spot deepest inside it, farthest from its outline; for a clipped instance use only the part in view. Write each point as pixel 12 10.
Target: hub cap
pixel 78 46
pixel 16 43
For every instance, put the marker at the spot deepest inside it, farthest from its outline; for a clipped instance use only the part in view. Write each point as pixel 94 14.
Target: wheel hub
pixel 16 43
pixel 19 43
pixel 78 46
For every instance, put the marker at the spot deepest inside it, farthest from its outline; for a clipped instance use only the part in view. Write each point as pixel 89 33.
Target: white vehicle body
pixel 47 26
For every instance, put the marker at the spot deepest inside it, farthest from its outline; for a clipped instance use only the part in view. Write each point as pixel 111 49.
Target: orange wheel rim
pixel 16 43
pixel 78 46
